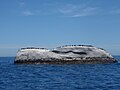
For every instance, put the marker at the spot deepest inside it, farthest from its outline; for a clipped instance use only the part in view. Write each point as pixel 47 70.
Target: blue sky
pixel 51 23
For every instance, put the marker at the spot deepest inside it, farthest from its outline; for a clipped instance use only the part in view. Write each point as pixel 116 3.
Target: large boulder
pixel 72 54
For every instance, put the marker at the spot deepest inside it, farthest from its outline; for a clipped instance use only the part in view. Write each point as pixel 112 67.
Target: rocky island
pixel 68 54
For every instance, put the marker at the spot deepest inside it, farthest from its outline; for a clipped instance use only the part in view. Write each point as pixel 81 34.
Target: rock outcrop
pixel 72 54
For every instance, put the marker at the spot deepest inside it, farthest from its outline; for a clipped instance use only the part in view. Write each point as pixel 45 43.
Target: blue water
pixel 59 77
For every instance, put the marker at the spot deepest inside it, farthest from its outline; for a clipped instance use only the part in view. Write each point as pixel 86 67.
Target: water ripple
pixel 58 77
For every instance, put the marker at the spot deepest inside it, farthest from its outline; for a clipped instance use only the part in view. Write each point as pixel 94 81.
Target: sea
pixel 59 77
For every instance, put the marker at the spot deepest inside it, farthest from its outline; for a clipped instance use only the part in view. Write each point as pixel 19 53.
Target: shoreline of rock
pixel 58 61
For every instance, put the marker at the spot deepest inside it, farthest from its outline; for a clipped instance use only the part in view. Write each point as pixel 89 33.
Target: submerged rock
pixel 73 54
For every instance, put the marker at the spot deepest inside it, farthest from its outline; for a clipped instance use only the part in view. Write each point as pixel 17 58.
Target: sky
pixel 52 23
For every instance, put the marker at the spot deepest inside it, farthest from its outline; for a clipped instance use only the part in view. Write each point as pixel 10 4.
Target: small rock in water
pixel 72 54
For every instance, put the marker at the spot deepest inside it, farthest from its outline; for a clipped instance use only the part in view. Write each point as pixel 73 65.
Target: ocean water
pixel 59 77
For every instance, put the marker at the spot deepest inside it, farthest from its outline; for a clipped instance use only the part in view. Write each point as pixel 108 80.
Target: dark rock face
pixel 59 52
pixel 91 61
pixel 81 54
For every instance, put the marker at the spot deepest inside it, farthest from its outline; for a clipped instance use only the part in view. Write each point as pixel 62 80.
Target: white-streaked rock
pixel 73 52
